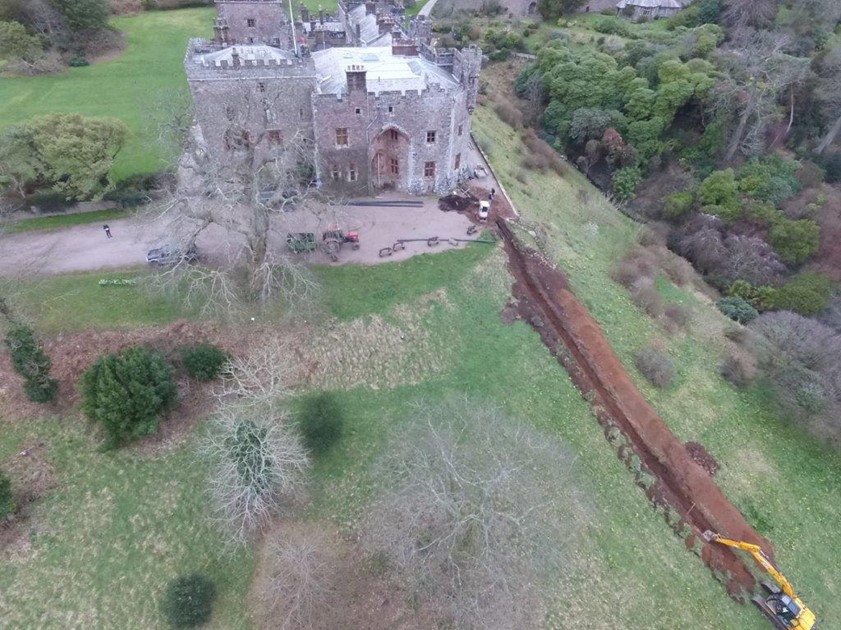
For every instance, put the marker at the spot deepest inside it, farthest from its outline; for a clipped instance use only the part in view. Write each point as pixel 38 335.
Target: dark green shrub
pixel 77 62
pixel 126 393
pixel 625 183
pixel 188 601
pixel 321 419
pixel 795 240
pixel 656 366
pixel 7 495
pixel 204 361
pixel 737 309
pixel 30 361
pixel 807 293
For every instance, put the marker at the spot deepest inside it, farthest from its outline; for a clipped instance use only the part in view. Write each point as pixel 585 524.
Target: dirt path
pixel 87 248
pixel 680 485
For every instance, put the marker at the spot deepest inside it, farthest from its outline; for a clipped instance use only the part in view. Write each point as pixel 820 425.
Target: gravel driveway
pixel 86 247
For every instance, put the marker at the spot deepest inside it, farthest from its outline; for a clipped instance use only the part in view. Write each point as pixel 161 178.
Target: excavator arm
pixel 784 608
pixel 758 555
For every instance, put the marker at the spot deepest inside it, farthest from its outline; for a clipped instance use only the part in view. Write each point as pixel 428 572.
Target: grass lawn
pixel 128 87
pixel 65 220
pixel 786 482
pixel 123 523
pixel 77 301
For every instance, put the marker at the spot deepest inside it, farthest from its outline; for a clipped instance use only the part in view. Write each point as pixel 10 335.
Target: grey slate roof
pixel 385 72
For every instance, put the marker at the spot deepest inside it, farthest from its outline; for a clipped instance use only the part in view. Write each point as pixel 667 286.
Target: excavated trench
pixel 672 479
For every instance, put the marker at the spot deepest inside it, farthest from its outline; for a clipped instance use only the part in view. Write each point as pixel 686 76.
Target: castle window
pixel 429 169
pixel 391 109
pixel 393 135
pixel 358 111
pixel 395 166
pixel 335 173
pixel 351 172
pixel 261 87
pixel 430 137
pixel 457 164
pixel 341 137
pixel 301 113
pixel 251 22
pixel 275 136
pixel 460 129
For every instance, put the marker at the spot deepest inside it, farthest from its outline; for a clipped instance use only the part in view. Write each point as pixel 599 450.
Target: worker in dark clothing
pixel 107 229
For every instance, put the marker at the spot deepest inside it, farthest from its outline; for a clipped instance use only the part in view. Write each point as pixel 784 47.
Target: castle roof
pixel 385 72
pixel 251 53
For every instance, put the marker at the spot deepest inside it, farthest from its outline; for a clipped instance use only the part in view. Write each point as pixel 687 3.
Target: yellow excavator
pixel 782 606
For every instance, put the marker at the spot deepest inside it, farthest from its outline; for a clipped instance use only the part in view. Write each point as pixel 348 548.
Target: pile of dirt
pixel 455 202
pixel 682 487
pixel 701 456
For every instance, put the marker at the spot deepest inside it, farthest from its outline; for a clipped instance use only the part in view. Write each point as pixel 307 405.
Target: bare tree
pixel 829 93
pixel 741 14
pixel 297 591
pixel 257 457
pixel 250 194
pixel 477 512
pixel 758 72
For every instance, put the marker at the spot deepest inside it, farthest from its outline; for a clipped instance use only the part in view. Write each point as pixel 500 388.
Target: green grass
pixel 129 87
pixel 624 554
pixel 108 538
pixel 765 460
pixel 77 302
pixel 65 220
pixel 379 287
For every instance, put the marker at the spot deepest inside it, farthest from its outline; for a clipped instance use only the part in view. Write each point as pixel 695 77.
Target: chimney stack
pixel 356 80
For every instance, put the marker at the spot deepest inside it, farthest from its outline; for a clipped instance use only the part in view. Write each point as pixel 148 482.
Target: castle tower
pixel 252 22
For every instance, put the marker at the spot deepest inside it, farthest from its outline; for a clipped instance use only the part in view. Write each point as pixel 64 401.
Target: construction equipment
pixel 782 606
pixel 334 237
pixel 300 242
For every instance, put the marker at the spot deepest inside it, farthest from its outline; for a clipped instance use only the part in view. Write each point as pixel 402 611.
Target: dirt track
pixel 681 486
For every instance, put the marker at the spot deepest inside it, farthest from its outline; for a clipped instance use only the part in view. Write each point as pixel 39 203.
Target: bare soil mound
pixel 701 456
pixel 681 486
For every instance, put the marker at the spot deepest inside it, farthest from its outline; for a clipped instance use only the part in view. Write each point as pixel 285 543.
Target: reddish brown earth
pixel 681 485
pixel 701 456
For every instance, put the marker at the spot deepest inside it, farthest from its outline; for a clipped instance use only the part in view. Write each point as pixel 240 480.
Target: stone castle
pixel 379 108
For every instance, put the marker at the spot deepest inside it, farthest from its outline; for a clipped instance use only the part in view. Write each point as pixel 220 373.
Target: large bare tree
pixel 477 511
pixel 258 461
pixel 829 93
pixel 758 71
pixel 250 194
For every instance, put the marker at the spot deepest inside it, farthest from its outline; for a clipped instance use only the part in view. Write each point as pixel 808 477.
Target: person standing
pixel 107 229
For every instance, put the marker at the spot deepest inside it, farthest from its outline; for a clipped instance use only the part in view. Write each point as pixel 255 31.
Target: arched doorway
pixel 532 10
pixel 390 159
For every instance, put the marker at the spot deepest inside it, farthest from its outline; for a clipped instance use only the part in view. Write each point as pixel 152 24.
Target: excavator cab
pixel 785 608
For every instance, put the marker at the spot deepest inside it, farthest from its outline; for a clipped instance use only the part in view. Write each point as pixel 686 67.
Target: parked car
pixel 171 254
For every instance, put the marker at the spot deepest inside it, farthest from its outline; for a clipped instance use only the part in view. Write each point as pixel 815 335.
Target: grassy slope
pixel 107 539
pixel 75 302
pixel 786 482
pixel 624 562
pixel 127 87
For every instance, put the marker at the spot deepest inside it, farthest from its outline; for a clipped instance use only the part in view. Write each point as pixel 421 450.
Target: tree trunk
pixel 740 132
pixel 830 136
